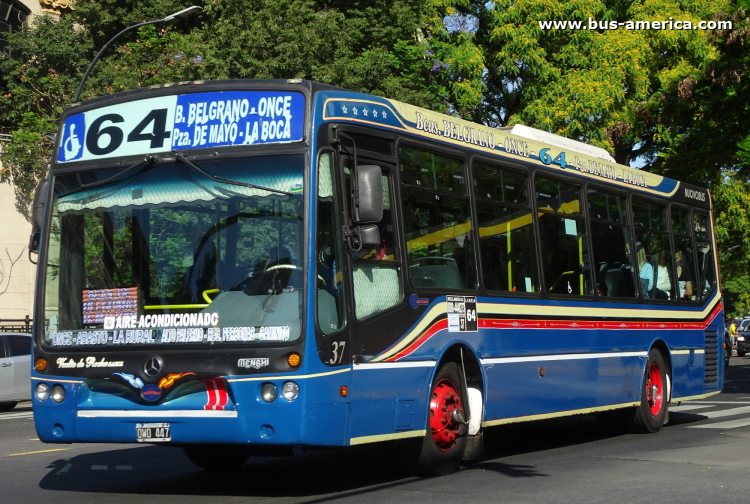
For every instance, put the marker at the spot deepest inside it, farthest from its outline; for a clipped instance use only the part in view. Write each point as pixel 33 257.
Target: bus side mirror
pixel 365 237
pixel 37 216
pixel 368 199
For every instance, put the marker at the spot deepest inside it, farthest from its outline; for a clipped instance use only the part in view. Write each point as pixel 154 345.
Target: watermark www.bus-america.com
pixel 669 24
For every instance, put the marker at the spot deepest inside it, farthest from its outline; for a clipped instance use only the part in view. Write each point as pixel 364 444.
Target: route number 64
pixel 115 135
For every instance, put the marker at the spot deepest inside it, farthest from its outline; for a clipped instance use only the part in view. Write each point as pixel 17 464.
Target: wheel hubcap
pixel 445 408
pixel 654 389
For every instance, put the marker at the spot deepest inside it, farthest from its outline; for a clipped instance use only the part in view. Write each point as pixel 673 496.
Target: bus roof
pixel 520 143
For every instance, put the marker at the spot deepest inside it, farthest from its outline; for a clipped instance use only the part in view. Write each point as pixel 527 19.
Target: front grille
pixel 712 359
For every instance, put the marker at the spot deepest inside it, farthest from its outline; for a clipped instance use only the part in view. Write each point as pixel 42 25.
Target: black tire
pixel 651 414
pixel 424 456
pixel 741 351
pixel 4 407
pixel 217 457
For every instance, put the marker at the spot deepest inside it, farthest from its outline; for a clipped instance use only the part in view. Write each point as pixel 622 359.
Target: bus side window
pixel 650 223
pixel 615 262
pixel 684 255
pixel 437 221
pixel 376 272
pixel 705 257
pixel 330 298
pixel 506 234
pixel 562 236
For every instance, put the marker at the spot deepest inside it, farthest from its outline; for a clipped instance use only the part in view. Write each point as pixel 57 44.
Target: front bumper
pixel 103 411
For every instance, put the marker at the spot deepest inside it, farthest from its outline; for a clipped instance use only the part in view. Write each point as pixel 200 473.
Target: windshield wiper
pixel 146 161
pixel 181 157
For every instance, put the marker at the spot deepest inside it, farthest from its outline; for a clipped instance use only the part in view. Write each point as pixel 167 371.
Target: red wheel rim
pixel 443 403
pixel 654 389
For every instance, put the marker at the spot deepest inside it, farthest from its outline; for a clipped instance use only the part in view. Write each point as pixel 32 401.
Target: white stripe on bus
pixel 394 365
pixel 536 358
pixel 156 414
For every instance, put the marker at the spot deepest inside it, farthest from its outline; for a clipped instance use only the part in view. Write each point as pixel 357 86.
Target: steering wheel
pixel 282 266
pixel 290 266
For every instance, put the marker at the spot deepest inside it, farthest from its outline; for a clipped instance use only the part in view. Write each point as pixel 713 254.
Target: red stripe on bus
pixel 435 328
pixel 489 323
pixel 212 392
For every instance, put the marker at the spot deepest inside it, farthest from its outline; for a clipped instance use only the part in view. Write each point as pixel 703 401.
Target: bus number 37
pixel 337 349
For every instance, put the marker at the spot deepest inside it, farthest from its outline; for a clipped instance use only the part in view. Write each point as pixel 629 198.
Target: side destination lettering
pixel 456 131
pixel 696 195
pixel 609 171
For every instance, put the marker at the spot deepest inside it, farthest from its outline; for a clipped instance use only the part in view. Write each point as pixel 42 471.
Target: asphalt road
pixel 702 455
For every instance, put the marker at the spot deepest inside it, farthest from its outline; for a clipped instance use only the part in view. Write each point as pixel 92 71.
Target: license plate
pixel 153 432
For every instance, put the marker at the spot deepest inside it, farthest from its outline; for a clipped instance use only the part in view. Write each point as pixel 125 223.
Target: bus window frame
pixel 337 242
pixel 539 171
pixel 457 154
pixel 710 236
pixel 629 215
pixel 691 234
pixel 519 168
pixel 666 203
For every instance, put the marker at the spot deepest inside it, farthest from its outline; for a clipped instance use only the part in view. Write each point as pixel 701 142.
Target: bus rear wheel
pixel 440 451
pixel 217 457
pixel 650 415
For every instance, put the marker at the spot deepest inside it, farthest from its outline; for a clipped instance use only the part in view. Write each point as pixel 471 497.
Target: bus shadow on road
pixel 311 476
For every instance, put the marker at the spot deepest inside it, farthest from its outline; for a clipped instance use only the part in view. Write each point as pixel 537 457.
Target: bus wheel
pixel 442 448
pixel 217 457
pixel 652 412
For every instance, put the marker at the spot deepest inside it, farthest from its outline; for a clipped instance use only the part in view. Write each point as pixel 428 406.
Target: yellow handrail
pixel 207 292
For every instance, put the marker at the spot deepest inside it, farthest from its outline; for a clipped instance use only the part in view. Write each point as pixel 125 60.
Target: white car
pixel 15 369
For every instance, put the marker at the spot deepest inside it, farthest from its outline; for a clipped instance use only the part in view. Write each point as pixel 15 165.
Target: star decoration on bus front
pixel 365 111
pixel 375 112
pixel 343 109
pixel 354 110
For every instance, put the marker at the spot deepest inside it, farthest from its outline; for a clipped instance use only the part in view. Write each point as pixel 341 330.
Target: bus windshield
pixel 206 252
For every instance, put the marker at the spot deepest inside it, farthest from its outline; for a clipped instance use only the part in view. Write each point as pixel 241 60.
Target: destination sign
pixel 179 122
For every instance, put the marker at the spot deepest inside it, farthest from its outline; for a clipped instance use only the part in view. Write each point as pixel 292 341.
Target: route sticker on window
pixel 462 313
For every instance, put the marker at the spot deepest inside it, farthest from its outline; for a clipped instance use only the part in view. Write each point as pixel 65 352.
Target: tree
pixel 38 77
pixel 602 86
pixel 370 46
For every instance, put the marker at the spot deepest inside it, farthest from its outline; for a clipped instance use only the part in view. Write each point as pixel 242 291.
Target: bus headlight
pixel 42 391
pixel 269 392
pixel 290 391
pixel 58 393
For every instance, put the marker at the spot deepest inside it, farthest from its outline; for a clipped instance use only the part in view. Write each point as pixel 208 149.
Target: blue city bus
pixel 234 267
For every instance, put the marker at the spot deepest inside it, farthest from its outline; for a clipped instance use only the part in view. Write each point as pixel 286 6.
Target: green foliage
pixel 732 222
pixel 601 86
pixel 38 78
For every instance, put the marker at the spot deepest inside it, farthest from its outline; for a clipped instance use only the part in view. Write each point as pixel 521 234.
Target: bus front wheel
pixel 650 415
pixel 217 457
pixel 440 451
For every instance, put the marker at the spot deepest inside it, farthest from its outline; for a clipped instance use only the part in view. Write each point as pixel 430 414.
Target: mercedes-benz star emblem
pixel 152 366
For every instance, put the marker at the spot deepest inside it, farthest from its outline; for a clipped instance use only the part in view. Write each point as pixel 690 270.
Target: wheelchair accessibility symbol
pixel 74 131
